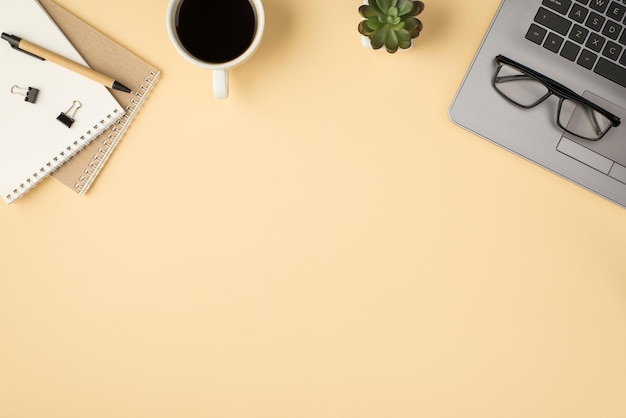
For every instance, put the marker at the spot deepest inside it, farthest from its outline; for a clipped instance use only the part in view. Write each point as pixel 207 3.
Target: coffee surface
pixel 216 31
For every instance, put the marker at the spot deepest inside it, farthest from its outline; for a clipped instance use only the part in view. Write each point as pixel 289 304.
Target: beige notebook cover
pixel 108 57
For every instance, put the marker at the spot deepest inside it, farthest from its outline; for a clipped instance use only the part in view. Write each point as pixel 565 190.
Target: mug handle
pixel 220 84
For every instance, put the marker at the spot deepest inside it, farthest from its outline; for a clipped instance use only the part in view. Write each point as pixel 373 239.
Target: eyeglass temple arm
pixel 594 120
pixel 559 88
pixel 505 78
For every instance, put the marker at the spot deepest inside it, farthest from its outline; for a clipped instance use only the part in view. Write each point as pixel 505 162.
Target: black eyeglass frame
pixel 554 88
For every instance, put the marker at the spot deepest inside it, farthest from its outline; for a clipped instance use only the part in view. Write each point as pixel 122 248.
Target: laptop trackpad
pixel 607 155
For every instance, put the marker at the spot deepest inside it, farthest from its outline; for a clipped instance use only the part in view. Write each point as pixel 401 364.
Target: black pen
pixel 43 54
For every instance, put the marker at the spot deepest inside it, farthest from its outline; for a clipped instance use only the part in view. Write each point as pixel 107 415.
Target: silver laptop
pixel 549 84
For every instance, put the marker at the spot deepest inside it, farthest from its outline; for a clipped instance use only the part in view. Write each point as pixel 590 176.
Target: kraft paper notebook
pixel 107 56
pixel 33 143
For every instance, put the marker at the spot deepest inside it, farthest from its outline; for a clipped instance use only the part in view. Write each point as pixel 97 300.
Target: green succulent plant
pixel 392 23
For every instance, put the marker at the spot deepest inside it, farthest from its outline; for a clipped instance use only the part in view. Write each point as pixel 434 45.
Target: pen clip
pixel 14 41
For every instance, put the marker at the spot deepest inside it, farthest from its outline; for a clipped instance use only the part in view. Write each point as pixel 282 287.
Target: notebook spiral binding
pixel 58 160
pixel 118 129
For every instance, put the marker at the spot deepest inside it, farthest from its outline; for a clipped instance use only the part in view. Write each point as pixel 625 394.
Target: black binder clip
pixel 67 117
pixel 30 94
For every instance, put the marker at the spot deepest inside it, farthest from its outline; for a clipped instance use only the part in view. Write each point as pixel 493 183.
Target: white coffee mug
pixel 220 69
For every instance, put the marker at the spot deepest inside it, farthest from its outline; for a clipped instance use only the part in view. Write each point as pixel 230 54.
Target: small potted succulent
pixel 390 23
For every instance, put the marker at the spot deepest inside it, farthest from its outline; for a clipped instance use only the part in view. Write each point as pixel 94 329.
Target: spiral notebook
pixel 33 143
pixel 109 57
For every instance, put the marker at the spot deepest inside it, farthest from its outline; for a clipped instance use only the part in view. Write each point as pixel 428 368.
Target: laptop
pixel 575 50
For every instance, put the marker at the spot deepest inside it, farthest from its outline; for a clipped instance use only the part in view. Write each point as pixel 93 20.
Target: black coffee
pixel 215 31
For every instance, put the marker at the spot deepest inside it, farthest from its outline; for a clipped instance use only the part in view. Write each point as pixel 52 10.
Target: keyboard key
pixel 578 13
pixel 570 51
pixel 587 59
pixel 599 5
pixel 583 1
pixel 612 29
pixel 553 21
pixel 561 6
pixel 578 34
pixel 616 11
pixel 553 42
pixel 536 34
pixel 595 42
pixel 595 21
pixel 611 71
pixel 623 60
pixel 612 51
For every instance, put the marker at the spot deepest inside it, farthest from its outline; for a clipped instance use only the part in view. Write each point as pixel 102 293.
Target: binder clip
pixel 67 117
pixel 30 94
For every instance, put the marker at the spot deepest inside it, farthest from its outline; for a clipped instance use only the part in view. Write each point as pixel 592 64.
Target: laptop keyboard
pixel 588 32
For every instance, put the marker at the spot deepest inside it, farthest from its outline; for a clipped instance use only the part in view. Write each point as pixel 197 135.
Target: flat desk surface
pixel 324 243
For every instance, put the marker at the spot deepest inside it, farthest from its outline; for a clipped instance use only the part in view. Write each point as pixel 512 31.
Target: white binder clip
pixel 30 93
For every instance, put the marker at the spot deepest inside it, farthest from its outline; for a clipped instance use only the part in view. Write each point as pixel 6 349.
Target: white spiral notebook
pixel 33 143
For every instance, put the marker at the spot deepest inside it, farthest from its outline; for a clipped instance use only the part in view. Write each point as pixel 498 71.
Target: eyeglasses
pixel 527 88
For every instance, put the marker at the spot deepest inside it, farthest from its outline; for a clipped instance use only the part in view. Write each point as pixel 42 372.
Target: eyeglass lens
pixel 523 89
pixel 527 91
pixel 585 122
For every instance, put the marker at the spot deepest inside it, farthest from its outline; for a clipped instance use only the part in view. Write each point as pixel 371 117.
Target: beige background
pixel 325 243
